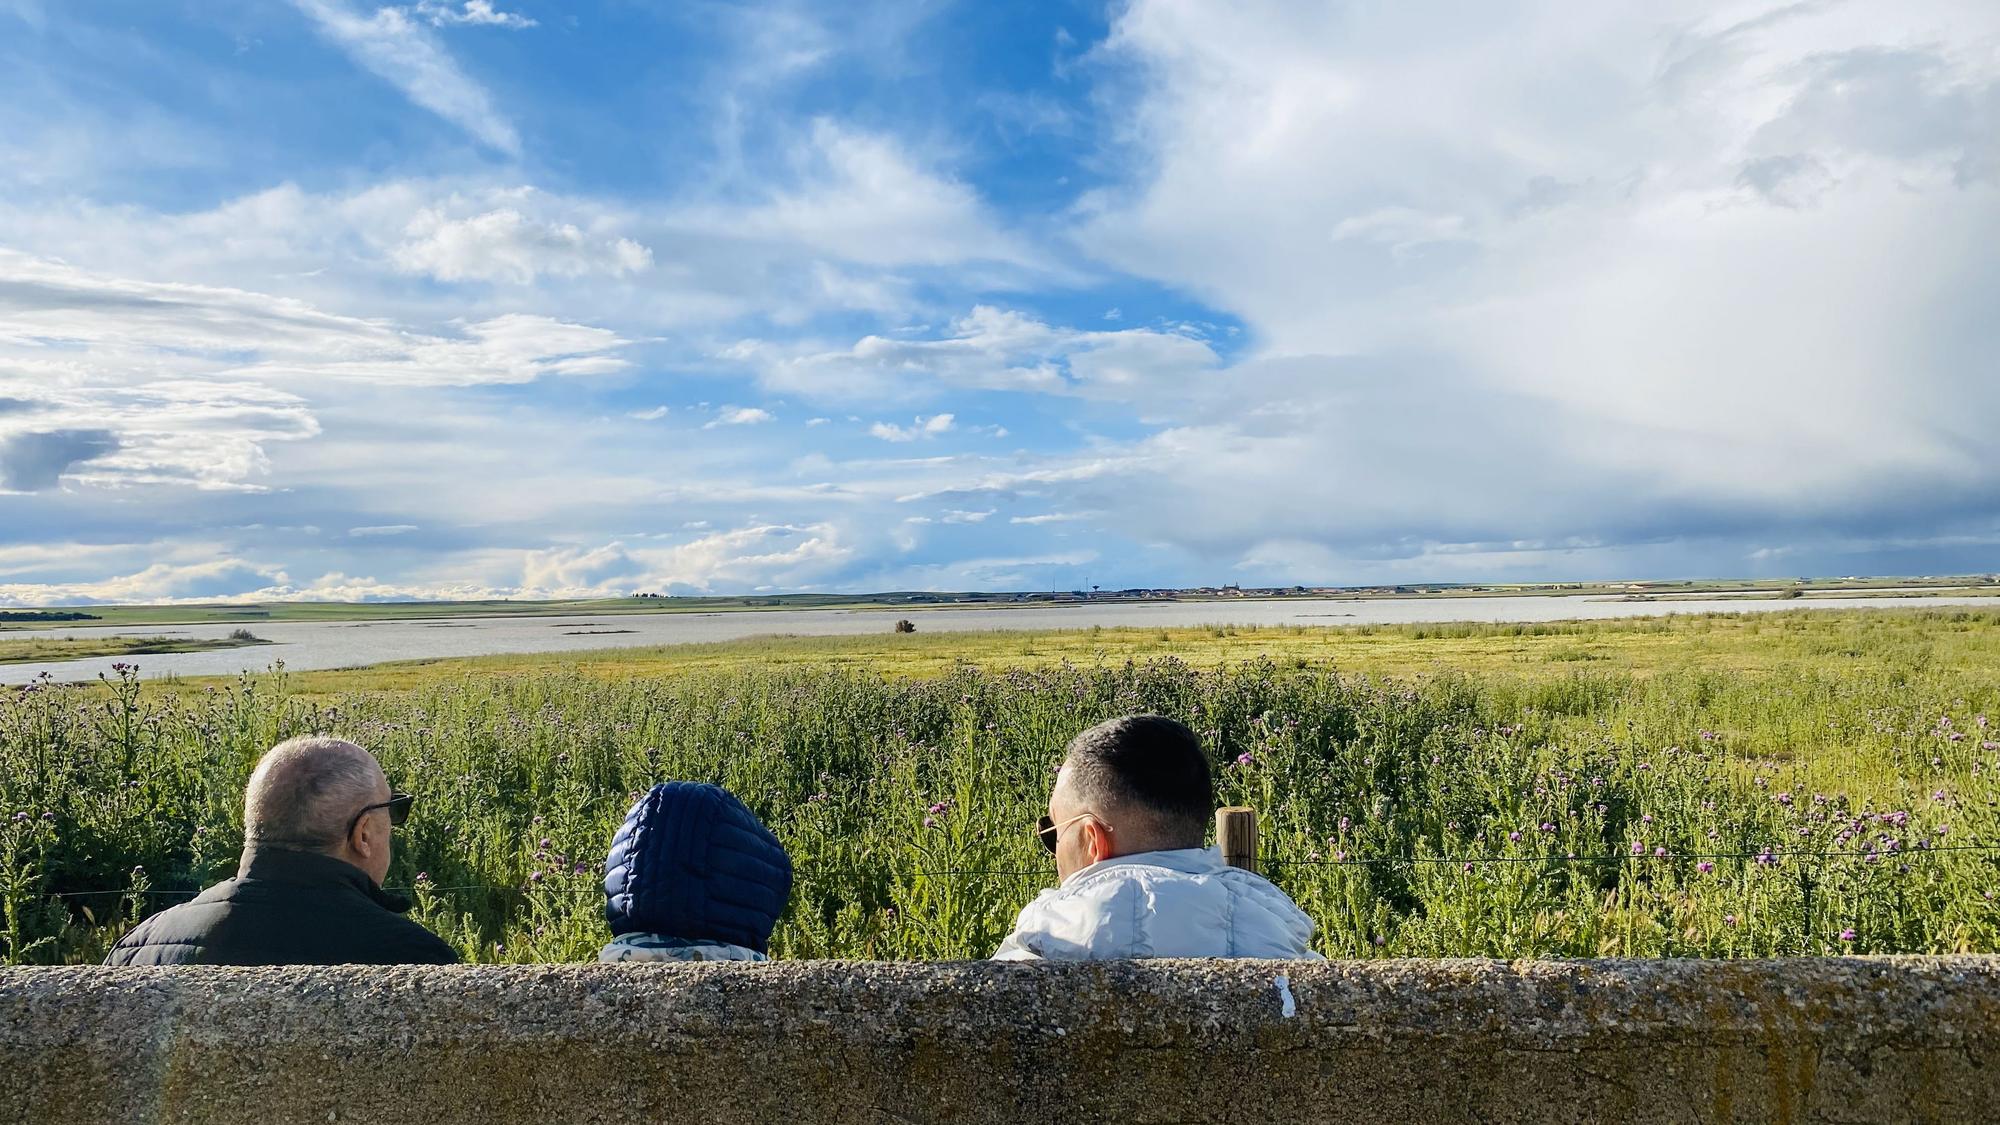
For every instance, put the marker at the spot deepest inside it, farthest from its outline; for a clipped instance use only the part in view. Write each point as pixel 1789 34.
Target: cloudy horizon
pixel 351 300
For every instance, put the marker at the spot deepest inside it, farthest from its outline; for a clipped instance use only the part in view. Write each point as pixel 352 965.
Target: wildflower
pixel 1704 867
pixel 1784 799
pixel 1468 867
pixel 1546 826
pixel 1638 848
pixel 1767 858
pixel 1245 758
pixel 1942 829
pixel 1848 934
pixel 930 822
pixel 1344 824
pixel 1339 857
pixel 534 876
pixel 1729 920
pixel 1660 852
pixel 1514 836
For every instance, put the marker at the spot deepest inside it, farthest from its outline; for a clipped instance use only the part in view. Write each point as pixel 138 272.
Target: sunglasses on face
pixel 1050 833
pixel 398 805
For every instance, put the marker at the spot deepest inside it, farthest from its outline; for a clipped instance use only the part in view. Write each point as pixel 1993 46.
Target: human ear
pixel 1097 841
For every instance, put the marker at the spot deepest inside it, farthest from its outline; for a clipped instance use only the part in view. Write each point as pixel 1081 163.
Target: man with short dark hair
pixel 317 817
pixel 1126 822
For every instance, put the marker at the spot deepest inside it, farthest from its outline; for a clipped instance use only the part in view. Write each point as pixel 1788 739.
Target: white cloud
pixel 738 416
pixel 652 415
pixel 988 349
pixel 922 427
pixel 381 530
pixel 401 52
pixel 784 555
pixel 475 13
pixel 1049 517
pixel 956 515
pixel 863 198
pixel 504 245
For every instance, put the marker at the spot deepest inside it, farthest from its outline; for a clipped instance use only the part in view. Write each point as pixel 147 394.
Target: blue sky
pixel 338 299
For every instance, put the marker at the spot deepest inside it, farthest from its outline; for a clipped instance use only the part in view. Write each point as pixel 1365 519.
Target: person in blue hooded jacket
pixel 693 875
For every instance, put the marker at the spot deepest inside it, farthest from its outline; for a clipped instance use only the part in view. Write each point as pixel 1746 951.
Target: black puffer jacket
pixel 285 908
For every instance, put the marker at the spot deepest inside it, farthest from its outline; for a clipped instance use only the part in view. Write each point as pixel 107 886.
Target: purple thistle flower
pixel 1704 867
pixel 1848 934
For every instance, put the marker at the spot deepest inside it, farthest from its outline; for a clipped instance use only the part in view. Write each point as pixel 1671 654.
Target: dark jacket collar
pixel 311 869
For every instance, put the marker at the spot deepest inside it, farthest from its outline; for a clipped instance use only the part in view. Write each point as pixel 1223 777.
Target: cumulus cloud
pixel 1529 320
pixel 738 416
pixel 473 13
pixel 922 427
pixel 787 555
pixel 504 245
pixel 400 51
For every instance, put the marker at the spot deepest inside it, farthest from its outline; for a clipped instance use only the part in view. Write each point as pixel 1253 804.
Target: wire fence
pixel 1771 855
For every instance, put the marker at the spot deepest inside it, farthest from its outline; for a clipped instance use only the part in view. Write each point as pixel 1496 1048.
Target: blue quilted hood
pixel 692 862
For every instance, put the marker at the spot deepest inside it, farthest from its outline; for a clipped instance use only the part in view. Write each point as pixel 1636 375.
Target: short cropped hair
pixel 305 792
pixel 1145 766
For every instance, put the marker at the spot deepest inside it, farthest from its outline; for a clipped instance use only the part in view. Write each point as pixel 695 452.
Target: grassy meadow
pixel 38 650
pixel 1734 785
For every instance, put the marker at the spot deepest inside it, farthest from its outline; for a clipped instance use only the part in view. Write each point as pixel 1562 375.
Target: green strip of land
pixel 42 650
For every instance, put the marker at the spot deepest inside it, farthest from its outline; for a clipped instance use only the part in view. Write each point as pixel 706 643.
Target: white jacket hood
pixel 1185 903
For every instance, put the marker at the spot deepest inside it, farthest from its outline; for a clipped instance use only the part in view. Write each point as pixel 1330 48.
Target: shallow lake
pixel 326 644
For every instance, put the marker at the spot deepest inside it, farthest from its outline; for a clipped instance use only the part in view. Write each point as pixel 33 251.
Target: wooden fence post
pixel 1236 835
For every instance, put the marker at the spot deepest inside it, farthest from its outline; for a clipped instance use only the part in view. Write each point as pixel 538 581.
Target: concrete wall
pixel 1847 1040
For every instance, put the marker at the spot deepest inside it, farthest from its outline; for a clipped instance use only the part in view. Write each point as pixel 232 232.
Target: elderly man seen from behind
pixel 1126 821
pixel 316 824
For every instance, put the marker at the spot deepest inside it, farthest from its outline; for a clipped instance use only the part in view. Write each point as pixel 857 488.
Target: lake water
pixel 319 644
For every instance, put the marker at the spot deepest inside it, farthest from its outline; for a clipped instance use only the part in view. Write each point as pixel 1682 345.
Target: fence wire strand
pixel 1775 855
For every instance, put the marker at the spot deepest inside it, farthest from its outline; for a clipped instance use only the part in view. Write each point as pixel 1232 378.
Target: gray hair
pixel 304 793
pixel 1151 772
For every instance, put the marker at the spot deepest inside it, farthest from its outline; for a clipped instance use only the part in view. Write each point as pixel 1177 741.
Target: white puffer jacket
pixel 1185 903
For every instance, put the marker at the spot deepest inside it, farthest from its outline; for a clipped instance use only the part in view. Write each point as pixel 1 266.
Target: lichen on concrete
pixel 1846 1040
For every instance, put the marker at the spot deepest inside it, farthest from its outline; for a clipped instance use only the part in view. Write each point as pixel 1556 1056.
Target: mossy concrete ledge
pixel 1838 1040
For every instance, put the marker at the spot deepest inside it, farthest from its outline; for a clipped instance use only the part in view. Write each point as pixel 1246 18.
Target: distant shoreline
pixel 29 620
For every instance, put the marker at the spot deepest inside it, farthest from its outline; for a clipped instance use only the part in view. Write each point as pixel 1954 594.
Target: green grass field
pixel 39 650
pixel 1716 786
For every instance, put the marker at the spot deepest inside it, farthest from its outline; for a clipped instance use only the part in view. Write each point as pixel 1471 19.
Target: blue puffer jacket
pixel 692 862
